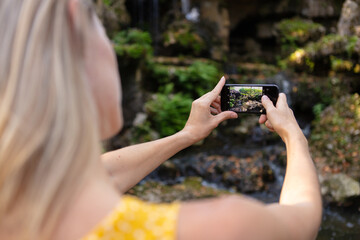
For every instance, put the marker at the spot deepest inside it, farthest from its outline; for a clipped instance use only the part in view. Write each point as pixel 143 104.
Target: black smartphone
pixel 246 98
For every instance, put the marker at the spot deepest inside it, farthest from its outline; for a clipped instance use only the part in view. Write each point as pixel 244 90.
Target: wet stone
pixel 189 188
pixel 247 174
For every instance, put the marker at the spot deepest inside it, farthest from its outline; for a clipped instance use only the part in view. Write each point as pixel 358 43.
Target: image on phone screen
pixel 245 99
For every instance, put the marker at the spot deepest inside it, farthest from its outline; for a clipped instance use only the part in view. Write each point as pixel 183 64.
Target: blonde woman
pixel 59 96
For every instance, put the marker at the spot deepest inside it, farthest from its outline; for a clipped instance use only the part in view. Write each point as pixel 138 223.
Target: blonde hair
pixel 49 139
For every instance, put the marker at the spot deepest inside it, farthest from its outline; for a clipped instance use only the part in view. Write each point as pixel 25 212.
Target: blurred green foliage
pixel 133 43
pixel 107 2
pixel 177 86
pixel 168 112
pixel 194 80
pixel 198 78
pixel 169 108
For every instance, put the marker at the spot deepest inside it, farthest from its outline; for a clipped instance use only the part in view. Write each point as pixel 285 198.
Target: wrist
pixel 295 136
pixel 188 137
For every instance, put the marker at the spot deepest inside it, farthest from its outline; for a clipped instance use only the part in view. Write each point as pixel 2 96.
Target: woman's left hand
pixel 206 114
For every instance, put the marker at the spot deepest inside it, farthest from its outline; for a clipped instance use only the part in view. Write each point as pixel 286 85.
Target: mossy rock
pixel 133 44
pixel 339 188
pixel 190 188
pixel 257 70
pixel 182 38
pixel 297 32
pixel 335 140
pixel 332 52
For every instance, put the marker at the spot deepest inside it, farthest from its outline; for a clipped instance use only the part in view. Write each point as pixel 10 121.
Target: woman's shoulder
pixel 133 218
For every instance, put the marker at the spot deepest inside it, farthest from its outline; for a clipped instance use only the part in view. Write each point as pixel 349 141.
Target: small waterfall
pixel 141 13
pixel 155 23
pixel 146 16
pixel 286 86
pixel 185 6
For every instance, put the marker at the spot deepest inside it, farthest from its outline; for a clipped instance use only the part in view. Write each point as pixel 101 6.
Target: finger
pixel 214 111
pixel 217 90
pixel 215 105
pixel 262 119
pixel 269 126
pixel 282 101
pixel 218 99
pixel 267 103
pixel 224 116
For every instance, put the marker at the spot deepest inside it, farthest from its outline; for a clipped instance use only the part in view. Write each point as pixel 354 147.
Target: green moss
pixel 351 44
pixel 296 32
pixel 340 65
pixel 331 52
pixel 182 35
pixel 332 44
pixel 107 2
pixel 191 188
pixel 133 44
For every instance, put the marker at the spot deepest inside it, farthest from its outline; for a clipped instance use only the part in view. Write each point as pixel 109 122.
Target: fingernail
pixel 234 115
pixel 223 77
pixel 264 97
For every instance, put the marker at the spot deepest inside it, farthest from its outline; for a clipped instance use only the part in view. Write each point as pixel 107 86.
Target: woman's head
pixel 59 95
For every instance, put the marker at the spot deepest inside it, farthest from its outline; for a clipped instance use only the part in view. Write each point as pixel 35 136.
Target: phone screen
pixel 247 98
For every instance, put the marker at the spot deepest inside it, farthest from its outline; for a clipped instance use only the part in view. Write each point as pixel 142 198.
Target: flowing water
pixel 185 6
pixel 155 24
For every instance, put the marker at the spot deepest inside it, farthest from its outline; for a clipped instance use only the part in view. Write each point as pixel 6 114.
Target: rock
pixel 240 10
pixel 182 37
pixel 339 187
pixel 113 14
pixel 335 138
pixel 247 174
pixel 297 31
pixel 246 127
pixel 320 8
pixel 140 119
pixel 319 56
pixel 218 17
pixel 350 18
pixel 265 30
pixel 252 47
pixel 190 188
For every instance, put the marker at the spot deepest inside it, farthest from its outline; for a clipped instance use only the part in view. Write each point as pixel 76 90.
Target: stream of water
pixel 185 6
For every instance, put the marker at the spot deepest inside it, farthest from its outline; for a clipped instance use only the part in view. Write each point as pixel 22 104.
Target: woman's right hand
pixel 206 114
pixel 280 118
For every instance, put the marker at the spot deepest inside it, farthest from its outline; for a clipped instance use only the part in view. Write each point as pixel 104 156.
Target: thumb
pixel 267 103
pixel 224 116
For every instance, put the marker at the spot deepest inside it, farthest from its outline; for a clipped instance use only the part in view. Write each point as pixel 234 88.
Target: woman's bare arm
pixel 296 216
pixel 130 165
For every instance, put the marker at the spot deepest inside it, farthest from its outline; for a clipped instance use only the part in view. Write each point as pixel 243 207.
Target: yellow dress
pixel 134 219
